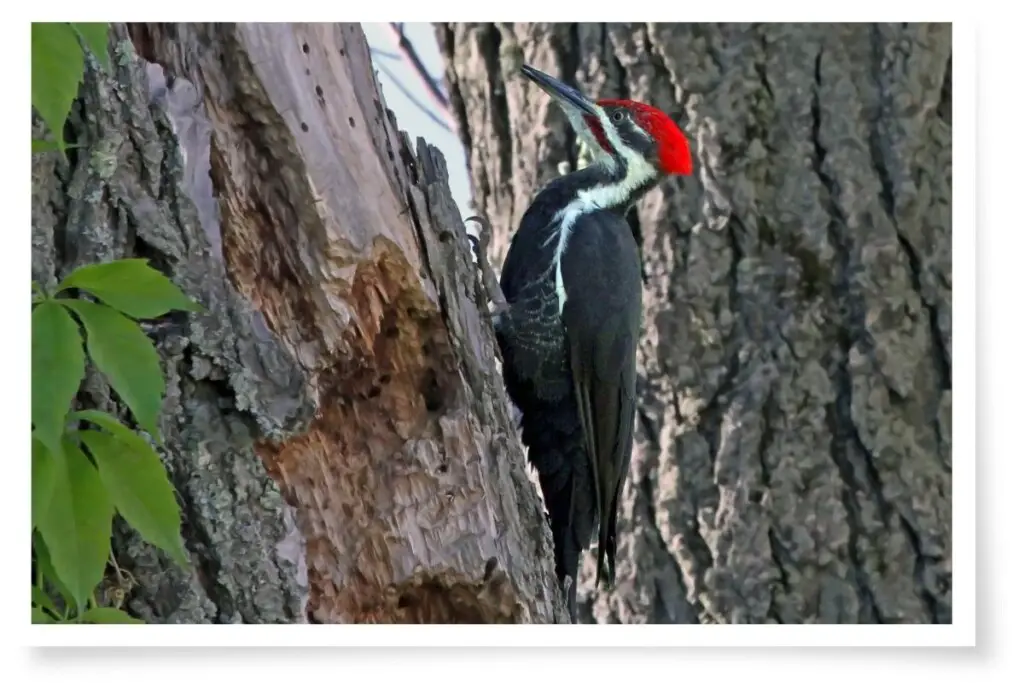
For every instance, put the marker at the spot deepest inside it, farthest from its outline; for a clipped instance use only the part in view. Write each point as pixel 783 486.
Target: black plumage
pixel 572 372
pixel 570 323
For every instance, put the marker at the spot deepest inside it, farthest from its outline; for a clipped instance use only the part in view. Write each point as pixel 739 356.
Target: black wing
pixel 602 317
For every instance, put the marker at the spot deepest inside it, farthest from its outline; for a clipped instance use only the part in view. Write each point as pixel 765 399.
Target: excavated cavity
pixel 393 374
pixel 447 597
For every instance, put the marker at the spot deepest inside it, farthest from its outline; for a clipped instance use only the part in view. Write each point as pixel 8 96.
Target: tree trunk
pixel 335 425
pixel 792 461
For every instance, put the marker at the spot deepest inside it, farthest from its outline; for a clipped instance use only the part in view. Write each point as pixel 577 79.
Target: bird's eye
pixel 618 116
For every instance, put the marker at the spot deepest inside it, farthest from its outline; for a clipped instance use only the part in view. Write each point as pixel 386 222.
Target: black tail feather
pixel 553 437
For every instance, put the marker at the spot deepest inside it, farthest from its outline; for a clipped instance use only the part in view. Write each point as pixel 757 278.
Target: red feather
pixel 598 131
pixel 673 147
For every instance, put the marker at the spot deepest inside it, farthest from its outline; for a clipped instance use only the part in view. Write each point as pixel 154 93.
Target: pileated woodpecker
pixel 568 333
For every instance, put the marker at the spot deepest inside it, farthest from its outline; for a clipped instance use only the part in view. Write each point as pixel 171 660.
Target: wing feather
pixel 602 362
pixel 601 346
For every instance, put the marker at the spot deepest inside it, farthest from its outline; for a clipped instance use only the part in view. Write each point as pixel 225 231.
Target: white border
pixel 543 636
pixel 15 272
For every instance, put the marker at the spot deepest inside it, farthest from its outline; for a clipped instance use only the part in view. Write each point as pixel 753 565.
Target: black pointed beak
pixel 565 94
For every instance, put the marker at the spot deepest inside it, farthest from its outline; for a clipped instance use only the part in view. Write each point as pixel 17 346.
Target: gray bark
pixel 335 426
pixel 792 461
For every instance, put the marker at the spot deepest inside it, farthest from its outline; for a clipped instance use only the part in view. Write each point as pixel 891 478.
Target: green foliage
pixel 43 473
pixel 74 494
pixel 46 571
pixel 94 35
pixel 58 366
pixel 39 146
pixel 40 598
pixel 131 286
pixel 76 526
pixel 137 482
pixel 57 66
pixel 41 617
pixel 126 357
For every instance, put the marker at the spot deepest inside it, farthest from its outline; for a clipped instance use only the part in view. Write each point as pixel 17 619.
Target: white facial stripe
pixel 638 172
pixel 576 120
pixel 594 199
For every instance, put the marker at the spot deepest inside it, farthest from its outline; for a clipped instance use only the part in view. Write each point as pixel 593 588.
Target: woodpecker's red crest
pixel 644 137
pixel 673 149
pixel 573 374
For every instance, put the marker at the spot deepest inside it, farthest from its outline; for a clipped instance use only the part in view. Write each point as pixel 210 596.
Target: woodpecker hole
pixel 305 48
pixel 430 390
pixel 341 52
pixel 319 92
pixel 305 128
pixel 492 564
pixel 351 122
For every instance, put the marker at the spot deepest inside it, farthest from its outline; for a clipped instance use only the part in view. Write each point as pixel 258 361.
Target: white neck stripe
pixel 638 172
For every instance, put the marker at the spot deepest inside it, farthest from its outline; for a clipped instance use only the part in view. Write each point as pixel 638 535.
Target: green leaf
pixel 58 366
pixel 131 286
pixel 76 528
pixel 40 598
pixel 43 473
pixel 57 65
pixel 111 424
pixel 40 146
pixel 109 615
pixel 45 567
pixel 41 617
pixel 140 489
pixel 95 36
pixel 126 357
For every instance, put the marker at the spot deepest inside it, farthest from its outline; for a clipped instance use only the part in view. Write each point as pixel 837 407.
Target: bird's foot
pixel 487 276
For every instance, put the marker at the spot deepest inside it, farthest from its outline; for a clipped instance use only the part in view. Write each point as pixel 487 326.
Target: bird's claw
pixel 489 280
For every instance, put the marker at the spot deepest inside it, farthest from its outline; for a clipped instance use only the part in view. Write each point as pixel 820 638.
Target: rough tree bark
pixel 793 443
pixel 334 422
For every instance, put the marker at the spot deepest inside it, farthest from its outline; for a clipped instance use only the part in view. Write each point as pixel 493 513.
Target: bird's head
pixel 635 133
